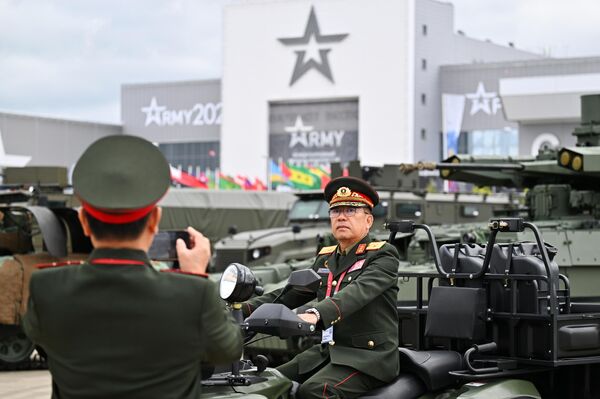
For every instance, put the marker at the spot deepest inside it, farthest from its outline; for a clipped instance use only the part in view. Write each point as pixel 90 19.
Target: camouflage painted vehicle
pixel 563 196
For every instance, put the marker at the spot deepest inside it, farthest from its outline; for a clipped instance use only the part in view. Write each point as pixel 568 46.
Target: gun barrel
pixel 407 168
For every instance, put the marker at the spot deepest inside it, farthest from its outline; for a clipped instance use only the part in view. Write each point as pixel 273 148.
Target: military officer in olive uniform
pixel 356 307
pixel 113 326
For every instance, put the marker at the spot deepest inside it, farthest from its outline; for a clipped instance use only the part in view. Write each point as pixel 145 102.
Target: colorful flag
pixel 185 179
pixel 301 178
pixel 323 175
pixel 259 185
pixel 228 182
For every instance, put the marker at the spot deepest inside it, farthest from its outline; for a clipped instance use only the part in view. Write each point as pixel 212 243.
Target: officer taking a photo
pixel 356 303
pixel 113 326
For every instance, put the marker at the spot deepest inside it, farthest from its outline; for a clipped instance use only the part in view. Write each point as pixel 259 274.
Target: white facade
pixel 373 63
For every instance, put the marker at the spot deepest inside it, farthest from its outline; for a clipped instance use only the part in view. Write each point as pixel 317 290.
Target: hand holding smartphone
pixel 164 245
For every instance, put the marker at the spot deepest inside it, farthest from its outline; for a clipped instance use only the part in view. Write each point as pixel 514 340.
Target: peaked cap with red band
pixel 350 191
pixel 119 179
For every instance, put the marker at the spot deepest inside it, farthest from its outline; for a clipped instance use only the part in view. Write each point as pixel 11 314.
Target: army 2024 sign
pixel 314 133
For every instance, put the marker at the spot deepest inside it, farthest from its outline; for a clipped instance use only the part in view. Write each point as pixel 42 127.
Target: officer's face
pixel 349 224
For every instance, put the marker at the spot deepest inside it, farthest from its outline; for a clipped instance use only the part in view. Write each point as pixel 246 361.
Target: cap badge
pixel 343 192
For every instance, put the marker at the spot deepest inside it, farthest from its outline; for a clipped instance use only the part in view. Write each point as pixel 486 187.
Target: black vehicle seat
pixel 432 367
pixel 421 371
pixel 405 386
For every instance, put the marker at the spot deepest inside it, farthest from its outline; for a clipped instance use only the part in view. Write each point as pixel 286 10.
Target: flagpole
pixel 268 173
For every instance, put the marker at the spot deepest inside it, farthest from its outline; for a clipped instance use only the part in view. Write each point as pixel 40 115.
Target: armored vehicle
pixel 563 195
pixel 37 225
pixel 308 226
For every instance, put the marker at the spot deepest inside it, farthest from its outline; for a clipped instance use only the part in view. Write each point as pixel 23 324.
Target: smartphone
pixel 163 247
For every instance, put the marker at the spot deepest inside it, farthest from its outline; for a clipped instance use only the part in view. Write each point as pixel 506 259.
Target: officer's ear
pixel 154 219
pixel 370 219
pixel 85 225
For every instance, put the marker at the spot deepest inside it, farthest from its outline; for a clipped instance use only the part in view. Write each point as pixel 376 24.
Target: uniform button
pixel 371 344
pixel 331 343
pixel 349 278
pixel 334 283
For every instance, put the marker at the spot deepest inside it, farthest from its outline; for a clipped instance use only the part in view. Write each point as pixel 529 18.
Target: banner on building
pixel 312 134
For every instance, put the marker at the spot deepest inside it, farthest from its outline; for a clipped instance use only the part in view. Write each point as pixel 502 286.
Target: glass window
pixel 469 211
pixel 408 211
pixel 501 142
pixel 190 156
pixel 380 210
pixel 309 210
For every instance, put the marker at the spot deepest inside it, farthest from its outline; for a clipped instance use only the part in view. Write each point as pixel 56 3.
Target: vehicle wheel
pixel 15 348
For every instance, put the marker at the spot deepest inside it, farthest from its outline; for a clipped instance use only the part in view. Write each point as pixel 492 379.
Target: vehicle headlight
pixel 257 253
pixel 237 283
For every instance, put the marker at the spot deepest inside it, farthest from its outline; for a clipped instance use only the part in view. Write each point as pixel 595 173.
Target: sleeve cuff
pixel 329 311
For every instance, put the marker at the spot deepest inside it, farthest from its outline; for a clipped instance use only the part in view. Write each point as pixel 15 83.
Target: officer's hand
pixel 195 259
pixel 309 317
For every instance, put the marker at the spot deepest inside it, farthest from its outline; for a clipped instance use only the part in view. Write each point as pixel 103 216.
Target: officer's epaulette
pixel 179 271
pixel 327 250
pixel 57 264
pixel 375 245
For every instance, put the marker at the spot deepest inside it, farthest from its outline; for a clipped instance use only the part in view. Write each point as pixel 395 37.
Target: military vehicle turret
pixel 563 195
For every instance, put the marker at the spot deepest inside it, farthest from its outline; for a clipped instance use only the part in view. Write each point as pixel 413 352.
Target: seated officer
pixel 356 306
pixel 113 326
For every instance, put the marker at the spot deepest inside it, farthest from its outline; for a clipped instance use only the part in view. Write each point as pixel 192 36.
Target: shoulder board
pixel 57 264
pixel 375 245
pixel 327 250
pixel 178 271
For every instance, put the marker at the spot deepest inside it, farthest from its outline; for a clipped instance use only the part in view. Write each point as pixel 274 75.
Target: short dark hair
pixel 110 231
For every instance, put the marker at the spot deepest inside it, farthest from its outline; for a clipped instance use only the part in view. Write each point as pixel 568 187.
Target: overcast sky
pixel 68 58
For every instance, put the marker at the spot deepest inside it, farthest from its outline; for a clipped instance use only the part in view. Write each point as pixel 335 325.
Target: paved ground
pixel 25 384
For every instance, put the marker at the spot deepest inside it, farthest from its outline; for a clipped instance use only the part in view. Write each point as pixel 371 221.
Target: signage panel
pixel 314 133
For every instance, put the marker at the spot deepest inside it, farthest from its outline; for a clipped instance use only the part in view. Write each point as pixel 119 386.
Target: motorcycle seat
pixel 405 386
pixel 432 367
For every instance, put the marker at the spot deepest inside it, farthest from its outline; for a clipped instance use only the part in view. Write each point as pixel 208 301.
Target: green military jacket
pixel 362 311
pixel 114 327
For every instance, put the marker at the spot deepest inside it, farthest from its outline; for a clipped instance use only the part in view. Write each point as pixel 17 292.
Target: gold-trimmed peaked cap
pixel 350 191
pixel 119 179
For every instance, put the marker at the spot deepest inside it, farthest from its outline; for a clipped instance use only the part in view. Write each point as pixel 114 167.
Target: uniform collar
pixel 342 262
pixel 134 255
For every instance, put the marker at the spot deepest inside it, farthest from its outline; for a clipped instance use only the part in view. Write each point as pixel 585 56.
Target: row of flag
pixel 282 176
pixel 216 180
